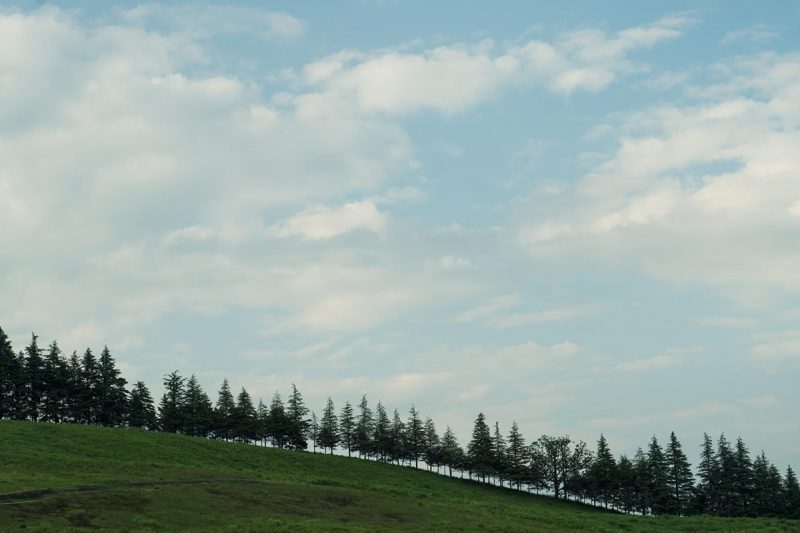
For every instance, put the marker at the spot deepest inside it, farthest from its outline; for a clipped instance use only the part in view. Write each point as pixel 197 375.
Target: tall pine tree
pixel 297 418
pixel 679 477
pixel 329 427
pixel 347 428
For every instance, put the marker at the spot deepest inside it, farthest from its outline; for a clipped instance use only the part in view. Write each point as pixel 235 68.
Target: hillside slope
pixel 71 477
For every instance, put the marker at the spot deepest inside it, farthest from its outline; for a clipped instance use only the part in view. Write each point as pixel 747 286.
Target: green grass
pixel 179 483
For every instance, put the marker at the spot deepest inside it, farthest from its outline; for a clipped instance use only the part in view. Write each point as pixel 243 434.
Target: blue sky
pixel 581 218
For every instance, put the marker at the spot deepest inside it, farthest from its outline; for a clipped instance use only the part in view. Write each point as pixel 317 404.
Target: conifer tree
pixel 244 417
pixel 397 439
pixel 90 383
pixel 451 454
pixel 55 375
pixel 329 427
pixel 517 456
pixel 602 475
pixel 313 431
pixel 679 477
pixel 170 413
pixel 726 485
pixel 10 375
pixel 774 491
pixel 278 422
pixel 75 390
pixel 626 494
pixel 198 412
pixel 112 397
pixel 364 429
pixel 791 497
pixel 641 487
pixel 761 505
pixel 382 438
pixel 142 414
pixel 432 445
pixel 479 450
pixel 499 459
pixel 262 415
pixel 658 487
pixel 707 494
pixel 34 378
pixel 347 428
pixel 415 437
pixel 742 476
pixel 297 419
pixel 223 412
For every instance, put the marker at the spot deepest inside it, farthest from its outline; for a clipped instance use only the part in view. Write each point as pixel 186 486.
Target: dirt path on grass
pixel 37 495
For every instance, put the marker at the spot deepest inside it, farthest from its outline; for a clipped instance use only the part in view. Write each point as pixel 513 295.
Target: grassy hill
pixel 64 477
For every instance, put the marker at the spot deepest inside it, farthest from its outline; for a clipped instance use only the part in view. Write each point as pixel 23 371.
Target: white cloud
pixel 495 313
pixel 780 347
pixel 451 262
pixel 325 222
pixel 489 309
pixel 456 77
pixel 549 315
pixel 699 193
pixel 660 361
pixel 758 33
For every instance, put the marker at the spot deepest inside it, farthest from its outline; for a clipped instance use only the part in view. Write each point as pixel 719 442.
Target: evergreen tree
pixel 171 417
pixel 35 386
pixel 244 418
pixel 262 424
pixel 641 486
pixel 791 497
pixel 75 389
pixel 142 413
pixel 707 494
pixel 626 493
pixel 742 475
pixel 658 488
pixel 297 419
pixel 56 376
pixel 432 444
pixel 451 453
pixel 347 428
pixel 775 492
pixel 397 439
pixel 602 475
pixel 679 477
pixel 726 484
pixel 329 427
pixel 198 412
pixel 415 437
pixel 479 450
pixel 112 396
pixel 10 375
pixel 90 383
pixel 499 459
pixel 382 438
pixel 313 431
pixel 761 477
pixel 223 412
pixel 517 456
pixel 364 429
pixel 278 422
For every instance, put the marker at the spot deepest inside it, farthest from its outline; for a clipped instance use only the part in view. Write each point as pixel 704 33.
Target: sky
pixel 583 218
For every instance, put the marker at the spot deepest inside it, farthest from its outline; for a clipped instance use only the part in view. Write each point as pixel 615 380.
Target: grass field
pixel 66 477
